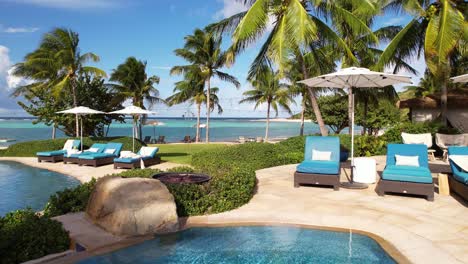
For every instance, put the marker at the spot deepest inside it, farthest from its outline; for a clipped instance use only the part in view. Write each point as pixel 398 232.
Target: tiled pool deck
pixel 424 232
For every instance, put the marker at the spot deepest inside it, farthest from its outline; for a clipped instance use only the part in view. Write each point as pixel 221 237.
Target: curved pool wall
pixel 251 244
pixel 23 186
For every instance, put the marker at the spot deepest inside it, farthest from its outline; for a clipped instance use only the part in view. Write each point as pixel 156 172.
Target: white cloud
pixel 230 8
pixel 395 21
pixel 166 68
pixel 71 4
pixel 7 80
pixel 20 29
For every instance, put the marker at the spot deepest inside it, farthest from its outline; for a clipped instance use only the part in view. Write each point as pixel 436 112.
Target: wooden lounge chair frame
pixel 458 187
pixel 96 162
pixel 424 189
pixel 317 179
pixel 70 160
pixel 52 159
pixel 136 164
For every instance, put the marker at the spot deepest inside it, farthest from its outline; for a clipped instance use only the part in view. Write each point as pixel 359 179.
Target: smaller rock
pixel 132 206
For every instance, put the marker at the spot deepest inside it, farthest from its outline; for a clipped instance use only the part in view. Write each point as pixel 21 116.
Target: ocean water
pixel 245 245
pixel 228 129
pixel 24 186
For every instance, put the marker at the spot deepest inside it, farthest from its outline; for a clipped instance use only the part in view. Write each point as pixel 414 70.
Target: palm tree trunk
pixel 75 104
pixel 364 125
pixel 301 132
pixel 267 122
pixel 443 100
pixel 197 137
pixel 350 109
pixel 208 104
pixel 313 101
pixel 53 131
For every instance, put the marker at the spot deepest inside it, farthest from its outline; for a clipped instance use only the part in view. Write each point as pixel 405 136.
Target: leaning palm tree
pixel 270 91
pixel 132 82
pixel 440 29
pixel 191 90
pixel 56 64
pixel 203 50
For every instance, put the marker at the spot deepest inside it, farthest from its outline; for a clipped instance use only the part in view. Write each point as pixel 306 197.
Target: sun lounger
pixel 107 156
pixel 407 171
pixel 187 139
pixel 147 139
pixel 161 140
pixel 425 139
pixel 147 155
pixel 57 155
pixel 443 141
pixel 321 165
pixel 73 157
pixel 458 182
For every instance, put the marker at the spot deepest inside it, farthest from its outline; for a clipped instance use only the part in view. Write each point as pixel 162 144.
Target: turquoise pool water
pixel 246 245
pixel 23 186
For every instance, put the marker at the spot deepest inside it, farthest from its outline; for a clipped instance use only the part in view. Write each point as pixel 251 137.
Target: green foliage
pixel 368 145
pixel 181 169
pixel 137 173
pixel 334 109
pixel 30 148
pixel 393 135
pixel 382 115
pixel 26 236
pixel 69 200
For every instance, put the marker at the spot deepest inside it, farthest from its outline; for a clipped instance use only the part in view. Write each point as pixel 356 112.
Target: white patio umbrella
pixel 355 78
pixel 460 79
pixel 81 111
pixel 133 111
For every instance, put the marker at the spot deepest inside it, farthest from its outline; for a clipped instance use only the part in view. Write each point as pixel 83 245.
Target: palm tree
pixel 132 82
pixel 203 50
pixel 438 27
pixel 56 64
pixel 268 89
pixel 191 90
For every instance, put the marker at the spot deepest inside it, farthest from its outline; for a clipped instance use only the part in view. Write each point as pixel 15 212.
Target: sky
pixel 149 30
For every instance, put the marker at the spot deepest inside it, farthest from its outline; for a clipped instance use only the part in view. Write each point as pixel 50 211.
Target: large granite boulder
pixel 132 206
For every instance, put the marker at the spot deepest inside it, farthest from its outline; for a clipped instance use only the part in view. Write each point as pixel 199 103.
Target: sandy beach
pixel 286 120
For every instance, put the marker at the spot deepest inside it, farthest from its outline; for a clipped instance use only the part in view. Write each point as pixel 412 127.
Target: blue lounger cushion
pixel 127 160
pixel 407 174
pixel 99 146
pixel 94 156
pixel 117 147
pixel 51 153
pixel 319 167
pixel 152 155
pixel 458 173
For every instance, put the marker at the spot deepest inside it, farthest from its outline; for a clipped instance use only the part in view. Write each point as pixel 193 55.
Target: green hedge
pixel 25 236
pixel 30 148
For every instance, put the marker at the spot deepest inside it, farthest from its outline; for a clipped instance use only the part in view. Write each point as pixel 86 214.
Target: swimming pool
pixel 23 186
pixel 251 244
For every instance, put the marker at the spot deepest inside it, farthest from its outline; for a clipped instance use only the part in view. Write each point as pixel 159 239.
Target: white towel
pixel 461 161
pixel 68 145
pixel 72 151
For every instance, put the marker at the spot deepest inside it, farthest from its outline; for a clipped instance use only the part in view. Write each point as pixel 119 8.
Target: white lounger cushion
pixel 461 161
pixel 147 151
pixel 321 155
pixel 68 144
pixel 407 160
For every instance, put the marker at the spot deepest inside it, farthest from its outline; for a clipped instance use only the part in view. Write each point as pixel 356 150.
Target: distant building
pixel 428 109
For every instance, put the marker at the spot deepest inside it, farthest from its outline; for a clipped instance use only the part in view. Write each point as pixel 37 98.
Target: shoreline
pixel 282 120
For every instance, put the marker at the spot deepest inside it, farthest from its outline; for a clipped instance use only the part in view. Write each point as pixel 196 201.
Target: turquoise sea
pixel 174 129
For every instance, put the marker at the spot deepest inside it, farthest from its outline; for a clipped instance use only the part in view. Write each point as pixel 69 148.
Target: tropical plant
pixel 440 28
pixel 270 91
pixel 334 110
pixel 56 66
pixel 132 82
pixel 203 50
pixel 191 90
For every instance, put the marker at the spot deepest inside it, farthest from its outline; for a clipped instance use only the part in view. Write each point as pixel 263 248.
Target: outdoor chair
pixel 187 139
pixel 146 155
pixel 161 140
pixel 407 171
pixel 241 139
pixel 73 157
pixel 321 165
pixel 443 141
pixel 57 155
pixel 107 156
pixel 147 139
pixel 458 182
pixel 425 139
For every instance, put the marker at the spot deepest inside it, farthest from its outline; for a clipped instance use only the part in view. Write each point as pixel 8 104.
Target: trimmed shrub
pixel 138 173
pixel 70 200
pixel 26 236
pixel 30 148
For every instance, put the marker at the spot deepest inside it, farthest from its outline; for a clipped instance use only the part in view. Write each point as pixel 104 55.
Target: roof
pixel 454 101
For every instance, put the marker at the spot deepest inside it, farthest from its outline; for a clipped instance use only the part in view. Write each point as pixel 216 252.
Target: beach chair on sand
pixel 147 139
pixel 147 155
pixel 161 140
pixel 458 182
pixel 57 155
pixel 73 157
pixel 107 156
pixel 443 141
pixel 407 171
pixel 241 139
pixel 187 139
pixel 425 139
pixel 321 165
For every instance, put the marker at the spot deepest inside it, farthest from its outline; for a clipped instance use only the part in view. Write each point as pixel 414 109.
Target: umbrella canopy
pixel 81 110
pixel 460 79
pixel 132 110
pixel 356 78
pixel 155 123
pixel 201 125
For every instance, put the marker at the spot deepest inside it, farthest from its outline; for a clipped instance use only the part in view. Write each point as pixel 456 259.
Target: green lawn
pixel 182 153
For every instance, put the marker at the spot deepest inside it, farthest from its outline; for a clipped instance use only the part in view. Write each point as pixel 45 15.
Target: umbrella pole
pixel 81 132
pixel 133 135
pixel 351 184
